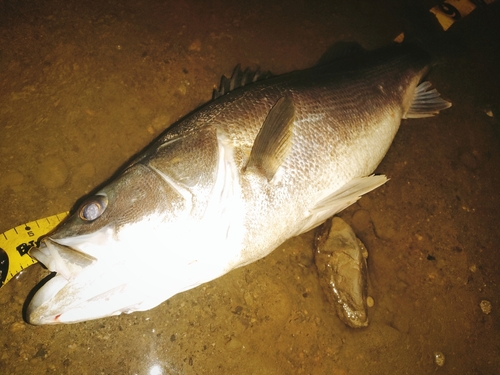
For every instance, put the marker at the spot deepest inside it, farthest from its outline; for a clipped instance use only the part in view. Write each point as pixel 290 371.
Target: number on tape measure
pixel 16 242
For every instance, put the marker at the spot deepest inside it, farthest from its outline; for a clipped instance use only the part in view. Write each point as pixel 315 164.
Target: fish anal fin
pixel 340 199
pixel 426 103
pixel 274 140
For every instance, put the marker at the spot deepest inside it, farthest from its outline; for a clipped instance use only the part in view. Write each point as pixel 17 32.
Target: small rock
pixel 366 202
pixel 182 89
pixel 485 306
pixel 384 226
pixel 439 359
pixel 369 301
pixel 248 298
pixel 342 271
pixel 159 123
pixel 17 327
pixel 234 344
pixel 195 46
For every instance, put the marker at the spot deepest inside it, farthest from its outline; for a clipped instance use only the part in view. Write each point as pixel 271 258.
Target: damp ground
pixel 85 85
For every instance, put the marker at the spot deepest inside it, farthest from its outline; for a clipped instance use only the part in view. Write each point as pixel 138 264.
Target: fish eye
pixel 93 208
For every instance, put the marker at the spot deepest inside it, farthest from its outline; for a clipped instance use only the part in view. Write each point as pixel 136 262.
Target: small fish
pixel 229 183
pixel 340 258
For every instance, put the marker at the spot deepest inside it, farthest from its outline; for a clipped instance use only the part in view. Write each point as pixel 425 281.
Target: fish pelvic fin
pixel 426 103
pixel 340 199
pixel 274 140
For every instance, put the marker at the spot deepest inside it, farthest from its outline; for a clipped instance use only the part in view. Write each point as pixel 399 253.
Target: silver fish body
pixel 230 183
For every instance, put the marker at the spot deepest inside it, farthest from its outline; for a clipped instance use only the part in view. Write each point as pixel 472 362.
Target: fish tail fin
pixel 426 103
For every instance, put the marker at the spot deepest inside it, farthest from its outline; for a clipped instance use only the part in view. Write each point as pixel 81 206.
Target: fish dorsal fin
pixel 426 103
pixel 341 50
pixel 238 79
pixel 274 140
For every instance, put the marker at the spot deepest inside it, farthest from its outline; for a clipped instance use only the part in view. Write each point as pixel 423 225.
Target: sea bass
pixel 232 181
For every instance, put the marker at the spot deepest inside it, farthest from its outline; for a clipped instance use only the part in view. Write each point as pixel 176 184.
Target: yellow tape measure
pixel 16 242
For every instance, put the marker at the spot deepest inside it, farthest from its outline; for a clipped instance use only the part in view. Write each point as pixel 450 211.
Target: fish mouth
pixel 83 287
pixel 66 263
pixel 64 260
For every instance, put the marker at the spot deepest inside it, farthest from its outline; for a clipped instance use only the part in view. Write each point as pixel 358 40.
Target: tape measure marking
pixel 16 243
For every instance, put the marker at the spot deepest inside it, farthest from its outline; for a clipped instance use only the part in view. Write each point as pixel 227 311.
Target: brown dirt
pixel 86 84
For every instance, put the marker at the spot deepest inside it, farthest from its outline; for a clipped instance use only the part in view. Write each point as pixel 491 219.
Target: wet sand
pixel 86 85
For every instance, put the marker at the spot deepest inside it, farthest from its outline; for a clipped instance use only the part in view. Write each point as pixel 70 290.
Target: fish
pixel 233 180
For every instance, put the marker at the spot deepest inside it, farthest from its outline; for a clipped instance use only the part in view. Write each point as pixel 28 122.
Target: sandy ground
pixel 86 84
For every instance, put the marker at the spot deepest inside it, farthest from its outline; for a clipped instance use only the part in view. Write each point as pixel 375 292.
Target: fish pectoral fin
pixel 340 199
pixel 274 140
pixel 426 103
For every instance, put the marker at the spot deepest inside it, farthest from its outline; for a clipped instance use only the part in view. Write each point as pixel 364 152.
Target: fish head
pixel 102 255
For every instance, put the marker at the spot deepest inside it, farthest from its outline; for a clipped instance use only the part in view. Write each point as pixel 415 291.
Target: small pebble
pixel 195 46
pixel 182 89
pixel 234 344
pixel 385 227
pixel 485 306
pixel 369 301
pixel 366 202
pixel 400 38
pixel 17 327
pixel 159 123
pixel 248 298
pixel 439 359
